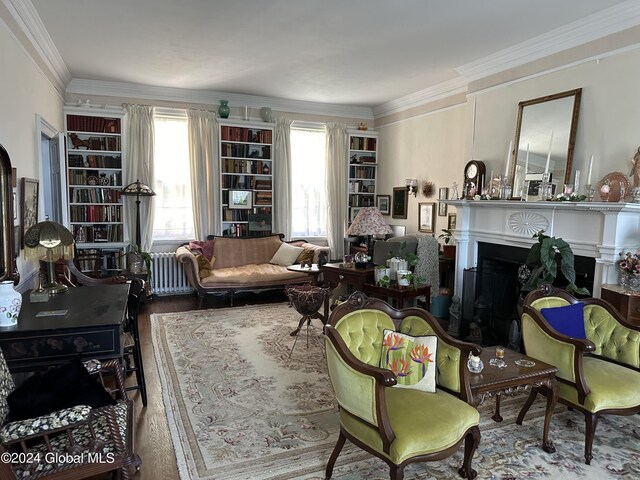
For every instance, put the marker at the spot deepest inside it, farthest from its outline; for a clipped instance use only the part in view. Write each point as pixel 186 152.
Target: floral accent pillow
pixel 412 359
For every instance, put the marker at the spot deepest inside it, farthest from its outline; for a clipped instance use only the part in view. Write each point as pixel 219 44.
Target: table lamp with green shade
pixel 50 242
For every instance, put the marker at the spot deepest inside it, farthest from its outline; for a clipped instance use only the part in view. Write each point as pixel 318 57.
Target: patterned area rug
pixel 239 408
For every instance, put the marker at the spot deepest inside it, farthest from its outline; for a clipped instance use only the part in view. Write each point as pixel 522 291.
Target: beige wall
pixel 25 92
pixel 437 145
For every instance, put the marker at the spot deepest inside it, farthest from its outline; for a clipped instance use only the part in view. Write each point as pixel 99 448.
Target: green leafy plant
pixel 384 281
pixel 544 258
pixel 145 256
pixel 446 236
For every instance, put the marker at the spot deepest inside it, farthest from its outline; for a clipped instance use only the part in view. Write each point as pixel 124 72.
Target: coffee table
pixel 514 380
pixel 399 294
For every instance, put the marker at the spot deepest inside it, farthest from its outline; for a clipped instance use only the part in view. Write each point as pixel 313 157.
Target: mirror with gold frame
pixel 545 135
pixel 7 259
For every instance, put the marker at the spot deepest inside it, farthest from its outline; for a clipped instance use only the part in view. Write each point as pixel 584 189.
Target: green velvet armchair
pixel 398 425
pixel 597 375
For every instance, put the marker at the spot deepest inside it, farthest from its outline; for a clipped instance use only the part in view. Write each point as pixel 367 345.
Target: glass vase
pixel 223 109
pixel 630 282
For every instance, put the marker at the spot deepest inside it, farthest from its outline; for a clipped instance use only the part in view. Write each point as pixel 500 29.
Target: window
pixel 308 182
pixel 173 208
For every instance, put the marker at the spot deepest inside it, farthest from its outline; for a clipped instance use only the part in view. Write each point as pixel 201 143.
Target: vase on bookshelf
pixel 223 109
pixel 265 169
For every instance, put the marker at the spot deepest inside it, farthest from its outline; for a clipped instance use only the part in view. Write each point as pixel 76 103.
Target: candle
pixel 546 168
pixel 590 169
pixel 526 164
pixel 506 168
pixel 576 182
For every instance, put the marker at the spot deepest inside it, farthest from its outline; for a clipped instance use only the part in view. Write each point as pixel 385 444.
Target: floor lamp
pixel 138 189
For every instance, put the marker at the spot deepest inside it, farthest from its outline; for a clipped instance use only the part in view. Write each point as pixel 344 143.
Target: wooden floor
pixel 152 437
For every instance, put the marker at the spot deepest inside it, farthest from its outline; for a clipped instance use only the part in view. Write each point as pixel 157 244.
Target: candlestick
pixel 590 169
pixel 546 167
pixel 576 182
pixel 506 168
pixel 526 163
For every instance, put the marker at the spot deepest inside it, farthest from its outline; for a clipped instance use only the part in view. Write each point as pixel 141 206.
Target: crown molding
pixel 27 19
pixel 595 26
pixel 421 97
pixel 206 97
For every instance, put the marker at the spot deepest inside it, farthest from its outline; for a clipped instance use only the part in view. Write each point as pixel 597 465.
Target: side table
pixel 513 380
pixel 354 278
pixel 626 302
pixel 399 294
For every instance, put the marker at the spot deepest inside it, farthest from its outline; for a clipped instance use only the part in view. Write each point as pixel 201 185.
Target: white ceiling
pixel 354 53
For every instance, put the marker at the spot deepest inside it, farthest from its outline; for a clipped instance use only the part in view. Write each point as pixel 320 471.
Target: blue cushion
pixel 567 320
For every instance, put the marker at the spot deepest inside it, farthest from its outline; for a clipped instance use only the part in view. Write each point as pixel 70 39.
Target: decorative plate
pixel 616 181
pixel 92 180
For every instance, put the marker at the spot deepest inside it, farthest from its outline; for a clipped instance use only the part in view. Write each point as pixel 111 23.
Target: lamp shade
pixel 368 221
pixel 138 189
pixel 49 238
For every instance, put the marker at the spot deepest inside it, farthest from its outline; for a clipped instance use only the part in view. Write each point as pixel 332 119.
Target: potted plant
pixel 542 264
pixel 448 249
pixel 380 272
pixel 405 277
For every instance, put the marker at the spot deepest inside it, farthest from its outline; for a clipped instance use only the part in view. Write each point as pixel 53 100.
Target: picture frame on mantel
pixel 426 217
pixel 399 203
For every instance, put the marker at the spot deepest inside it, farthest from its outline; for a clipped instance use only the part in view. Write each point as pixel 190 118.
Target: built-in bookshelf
pixel 363 170
pixel 94 187
pixel 246 174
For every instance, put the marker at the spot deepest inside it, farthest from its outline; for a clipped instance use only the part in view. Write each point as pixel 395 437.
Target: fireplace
pixel 493 238
pixel 494 293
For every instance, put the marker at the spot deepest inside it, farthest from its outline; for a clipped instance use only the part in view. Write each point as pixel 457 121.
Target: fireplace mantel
pixel 598 230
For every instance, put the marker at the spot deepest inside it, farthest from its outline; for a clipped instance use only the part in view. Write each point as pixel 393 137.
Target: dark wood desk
pixel 398 294
pixel 513 380
pixel 354 278
pixel 92 328
pixel 626 302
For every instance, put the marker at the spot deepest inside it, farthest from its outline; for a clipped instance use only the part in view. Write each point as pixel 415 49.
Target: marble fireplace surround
pixel 597 230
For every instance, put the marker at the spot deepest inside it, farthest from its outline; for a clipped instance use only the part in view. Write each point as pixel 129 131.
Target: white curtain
pixel 337 171
pixel 205 172
pixel 139 166
pixel 282 178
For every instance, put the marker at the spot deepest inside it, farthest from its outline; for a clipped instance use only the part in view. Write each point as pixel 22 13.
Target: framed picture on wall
pixel 28 205
pixel 451 221
pixel 399 204
pixel 443 193
pixel 383 202
pixel 426 217
pixel 442 209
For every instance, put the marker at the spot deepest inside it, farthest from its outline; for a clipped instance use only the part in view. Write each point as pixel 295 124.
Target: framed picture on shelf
pixel 451 221
pixel 399 204
pixel 100 234
pixel 28 205
pixel 240 199
pixel 259 222
pixel 535 181
pixel 354 213
pixel 426 217
pixel 383 202
pixel 443 193
pixel 442 209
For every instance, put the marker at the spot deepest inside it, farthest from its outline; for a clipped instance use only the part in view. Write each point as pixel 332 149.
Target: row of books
pixel 92 177
pixel 245 182
pixel 76 142
pixel 356 171
pixel 241 134
pixel 230 165
pixel 94 161
pixel 239 150
pixel 95 195
pixel 243 230
pixel 81 123
pixel 361 200
pixel 361 187
pixel 263 198
pixel 363 143
pixel 362 158
pixel 97 233
pixel 96 213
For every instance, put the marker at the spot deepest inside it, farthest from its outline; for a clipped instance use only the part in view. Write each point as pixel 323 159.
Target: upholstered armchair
pixel 597 374
pixel 75 442
pixel 399 425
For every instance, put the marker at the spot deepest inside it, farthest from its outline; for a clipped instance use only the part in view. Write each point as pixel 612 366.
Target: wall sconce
pixel 412 186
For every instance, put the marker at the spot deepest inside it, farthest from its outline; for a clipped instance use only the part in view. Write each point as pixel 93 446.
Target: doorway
pixel 52 173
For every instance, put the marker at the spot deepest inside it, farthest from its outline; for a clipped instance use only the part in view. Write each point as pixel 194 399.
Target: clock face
pixel 472 170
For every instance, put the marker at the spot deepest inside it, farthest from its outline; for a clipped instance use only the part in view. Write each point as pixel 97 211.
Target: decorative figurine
pixel 454 317
pixel 454 192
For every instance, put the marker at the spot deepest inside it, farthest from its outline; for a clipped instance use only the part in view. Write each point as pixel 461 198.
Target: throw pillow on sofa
pixel 306 256
pixel 286 255
pixel 204 265
pixel 205 247
pixel 568 320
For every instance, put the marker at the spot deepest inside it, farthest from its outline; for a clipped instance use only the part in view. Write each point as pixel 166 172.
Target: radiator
pixel 167 275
